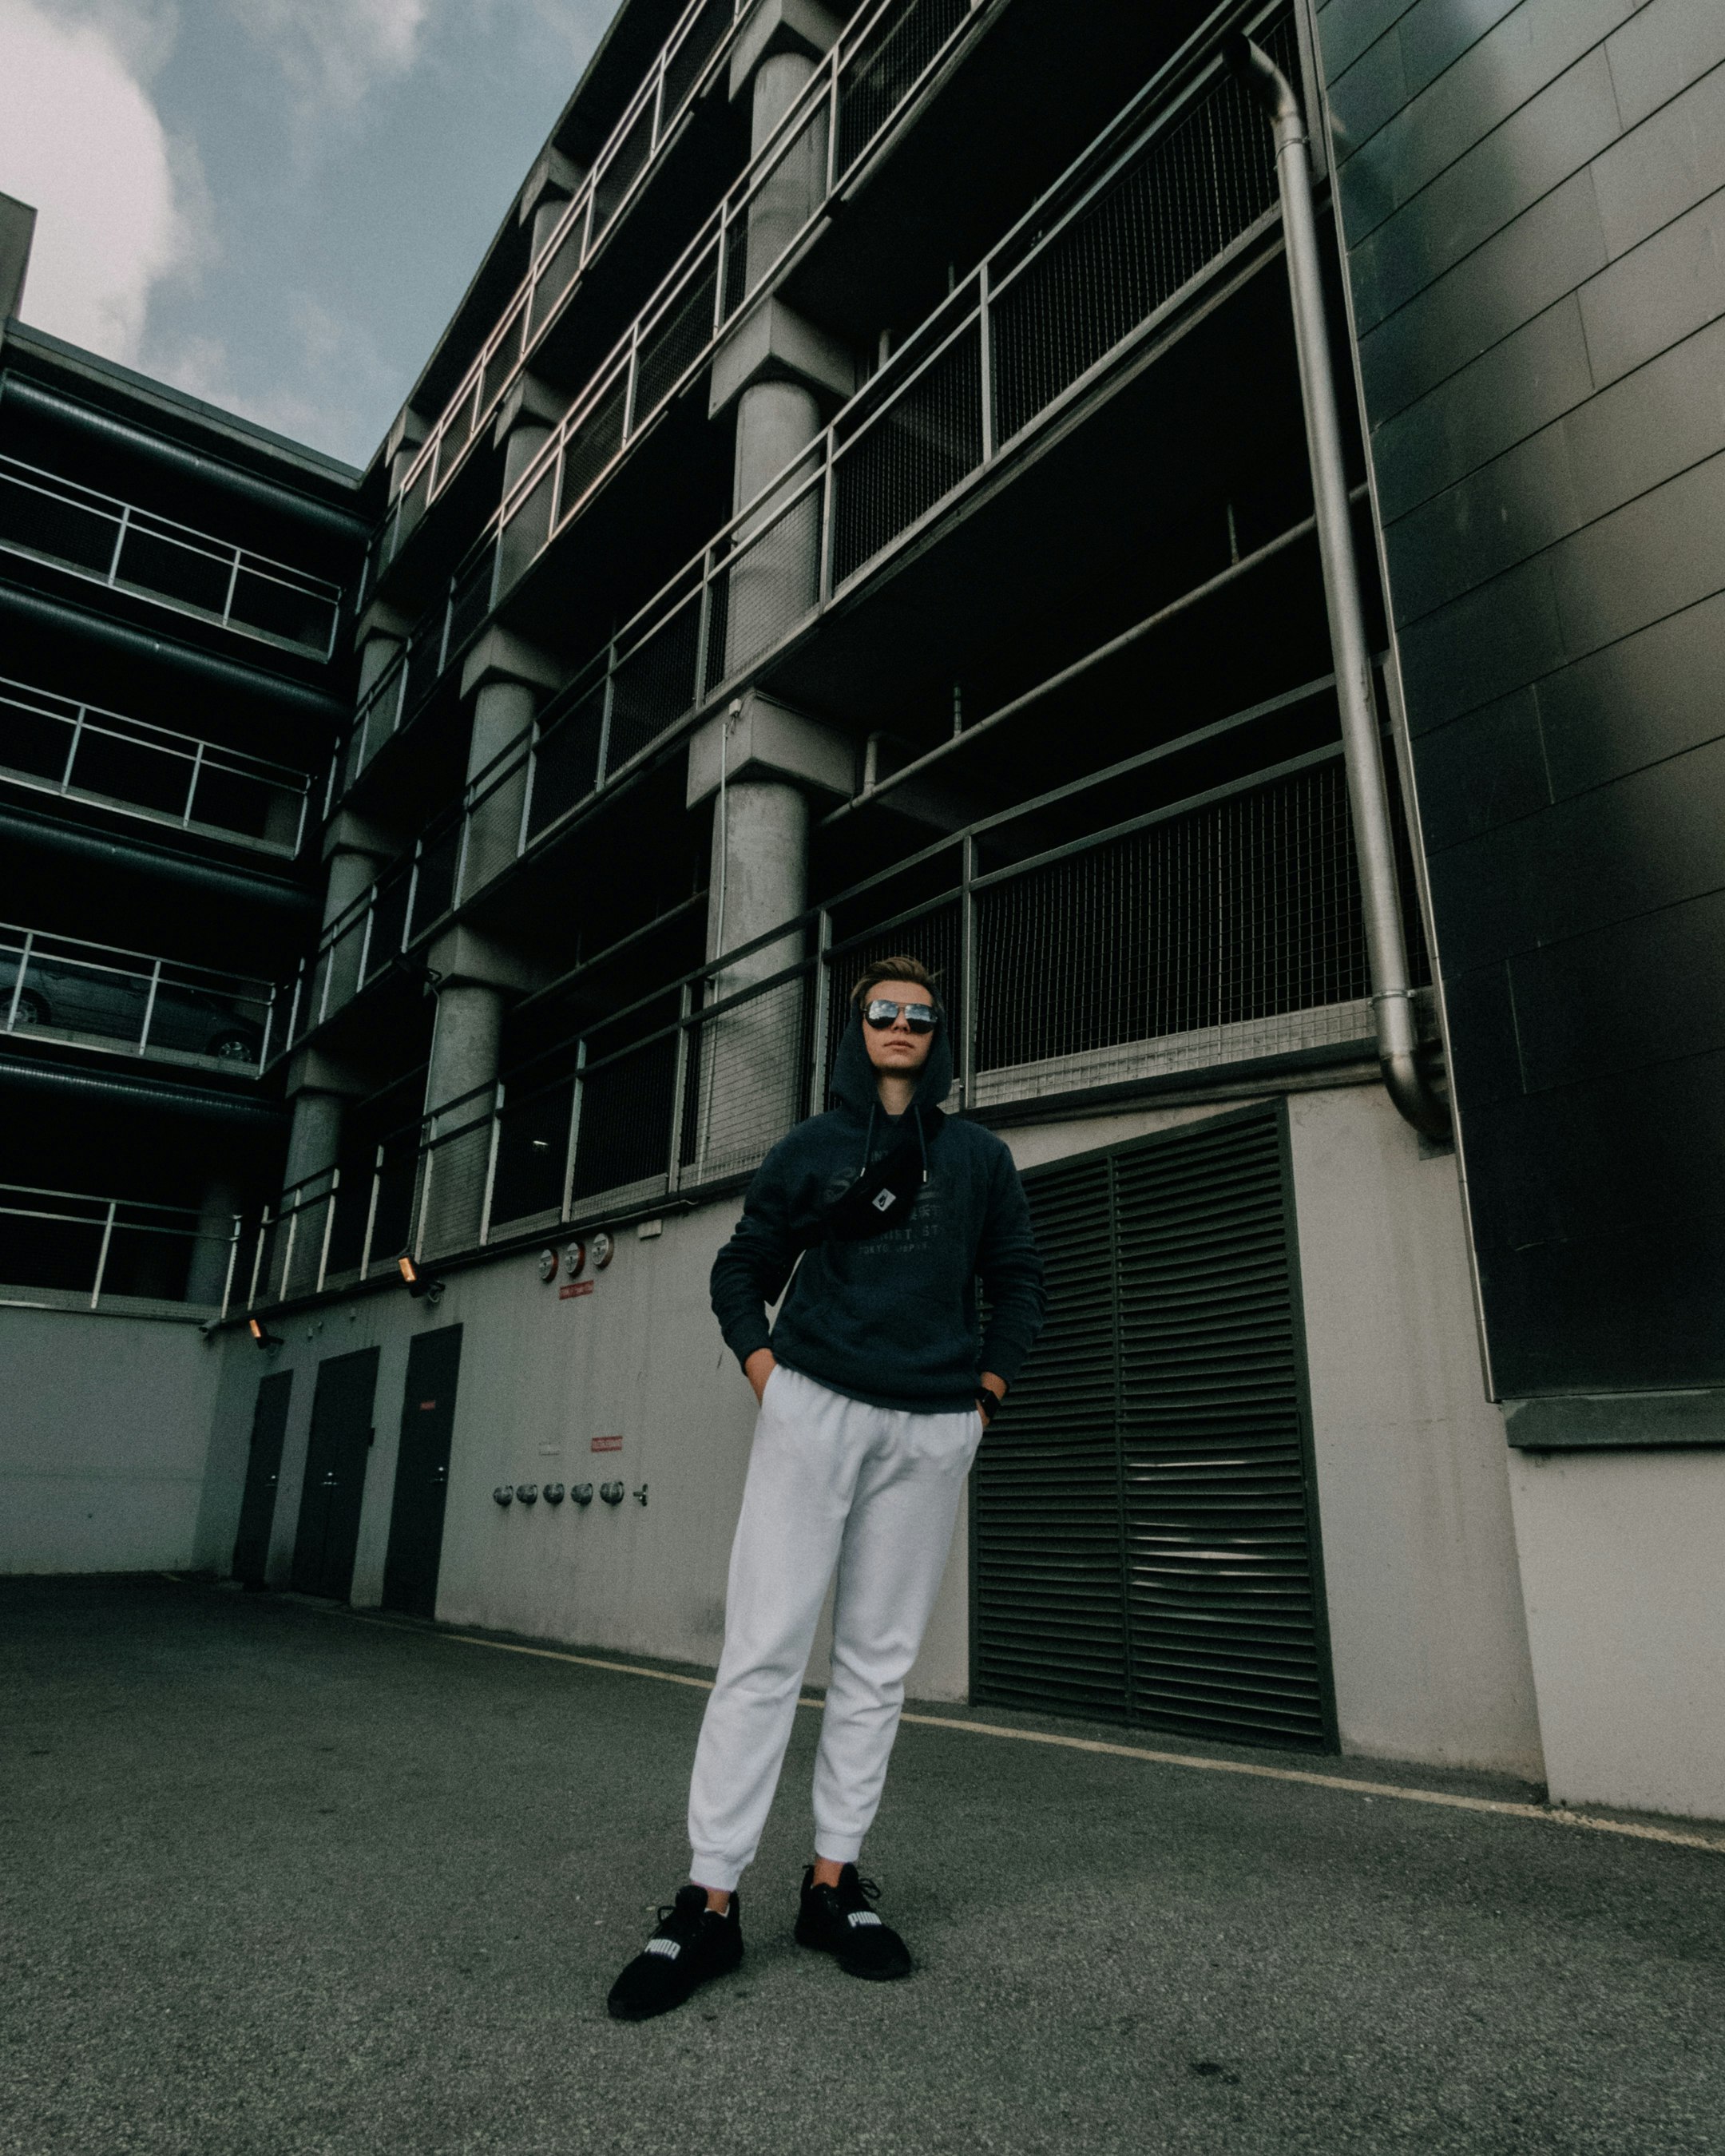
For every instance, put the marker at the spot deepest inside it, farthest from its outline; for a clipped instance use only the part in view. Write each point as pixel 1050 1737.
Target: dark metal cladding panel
pixel 1531 205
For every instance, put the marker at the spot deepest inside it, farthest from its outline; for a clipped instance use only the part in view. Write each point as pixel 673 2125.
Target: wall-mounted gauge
pixel 548 1264
pixel 574 1258
pixel 602 1249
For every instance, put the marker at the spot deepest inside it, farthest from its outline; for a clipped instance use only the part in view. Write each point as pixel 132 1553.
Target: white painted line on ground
pixel 1547 1815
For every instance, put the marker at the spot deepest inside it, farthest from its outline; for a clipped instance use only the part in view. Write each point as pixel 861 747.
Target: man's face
pixel 895 1049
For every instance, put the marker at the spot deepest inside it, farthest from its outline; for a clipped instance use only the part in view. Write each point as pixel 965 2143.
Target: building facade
pixel 876 495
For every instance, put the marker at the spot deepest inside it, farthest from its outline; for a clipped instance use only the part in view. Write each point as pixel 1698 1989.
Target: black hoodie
pixel 891 1318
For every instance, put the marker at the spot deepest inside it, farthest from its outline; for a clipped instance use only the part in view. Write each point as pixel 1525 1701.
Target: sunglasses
pixel 881 1012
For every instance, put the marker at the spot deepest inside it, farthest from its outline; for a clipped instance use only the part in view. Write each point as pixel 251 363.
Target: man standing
pixel 874 1392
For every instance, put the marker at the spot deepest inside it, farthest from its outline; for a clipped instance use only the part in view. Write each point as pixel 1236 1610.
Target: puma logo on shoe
pixel 671 1948
pixel 861 1917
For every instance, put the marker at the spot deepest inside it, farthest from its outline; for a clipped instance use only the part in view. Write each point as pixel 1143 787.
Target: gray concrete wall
pixel 103 1441
pixel 1623 1559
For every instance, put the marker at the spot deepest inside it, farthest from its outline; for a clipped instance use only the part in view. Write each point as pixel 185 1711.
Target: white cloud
pixel 333 52
pixel 119 203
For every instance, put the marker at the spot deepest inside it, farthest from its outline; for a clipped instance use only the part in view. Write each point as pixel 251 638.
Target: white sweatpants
pixel 831 1480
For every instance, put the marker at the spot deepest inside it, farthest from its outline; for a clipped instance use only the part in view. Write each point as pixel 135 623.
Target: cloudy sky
pixel 274 203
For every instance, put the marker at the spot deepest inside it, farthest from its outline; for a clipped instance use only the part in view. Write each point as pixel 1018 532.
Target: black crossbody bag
pixel 882 1194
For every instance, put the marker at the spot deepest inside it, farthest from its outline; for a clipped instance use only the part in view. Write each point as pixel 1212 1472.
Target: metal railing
pixel 1183 181
pixel 697 46
pixel 114 543
pixel 1218 929
pixel 866 82
pixel 97 996
pixel 84 753
pixel 75 1250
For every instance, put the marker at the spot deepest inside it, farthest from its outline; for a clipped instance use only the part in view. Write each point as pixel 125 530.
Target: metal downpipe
pixel 1368 798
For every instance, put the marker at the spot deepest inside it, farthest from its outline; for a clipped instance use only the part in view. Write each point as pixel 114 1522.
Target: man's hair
pixel 899 968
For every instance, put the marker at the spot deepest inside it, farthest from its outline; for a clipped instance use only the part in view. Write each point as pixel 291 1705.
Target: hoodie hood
pixel 853 1084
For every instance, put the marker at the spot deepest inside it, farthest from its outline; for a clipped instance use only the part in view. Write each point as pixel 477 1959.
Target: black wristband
pixel 988 1402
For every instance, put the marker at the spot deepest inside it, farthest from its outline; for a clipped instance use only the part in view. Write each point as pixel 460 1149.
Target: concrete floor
pixel 278 1881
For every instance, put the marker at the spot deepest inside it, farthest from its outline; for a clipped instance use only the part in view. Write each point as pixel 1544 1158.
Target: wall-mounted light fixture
pixel 418 1283
pixel 260 1332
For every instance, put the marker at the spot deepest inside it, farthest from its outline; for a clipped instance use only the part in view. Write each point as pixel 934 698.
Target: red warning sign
pixel 574 1287
pixel 608 1444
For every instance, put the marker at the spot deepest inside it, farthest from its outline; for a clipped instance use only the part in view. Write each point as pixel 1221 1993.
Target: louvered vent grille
pixel 1144 1525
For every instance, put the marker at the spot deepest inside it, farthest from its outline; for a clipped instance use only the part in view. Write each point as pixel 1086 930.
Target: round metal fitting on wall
pixel 504 1494
pixel 552 1493
pixel 581 1493
pixel 528 1492
pixel 612 1492
pixel 549 1263
pixel 574 1258
pixel 602 1249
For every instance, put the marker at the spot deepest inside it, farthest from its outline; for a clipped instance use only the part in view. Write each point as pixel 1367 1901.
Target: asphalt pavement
pixel 279 1882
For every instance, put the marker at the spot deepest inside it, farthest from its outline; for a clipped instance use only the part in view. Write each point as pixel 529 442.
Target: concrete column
pixel 355 852
pixel 791 192
pixel 758 764
pixel 376 653
pixel 406 438
pixel 507 678
pixel 465 1044
pixel 207 1273
pixel 478 979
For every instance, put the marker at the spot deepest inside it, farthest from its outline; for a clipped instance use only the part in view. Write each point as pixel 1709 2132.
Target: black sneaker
pixel 839 1920
pixel 693 1943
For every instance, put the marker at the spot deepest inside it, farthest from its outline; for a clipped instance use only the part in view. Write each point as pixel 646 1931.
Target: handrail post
pixel 365 1248
pixel 673 1165
pixel 966 975
pixel 72 752
pixel 985 359
pixel 485 1230
pixel 96 1293
pixel 150 1006
pixel 191 785
pixel 17 986
pixel 568 1201
pixel 329 1222
pixel 120 533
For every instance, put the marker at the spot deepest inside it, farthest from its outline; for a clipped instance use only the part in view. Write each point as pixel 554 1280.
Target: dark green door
pixel 1145 1544
pixel 422 1473
pixel 335 1475
pixel 263 1472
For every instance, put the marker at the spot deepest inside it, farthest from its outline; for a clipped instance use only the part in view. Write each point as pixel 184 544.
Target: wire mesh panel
pixel 565 760
pixel 676 337
pixel 770 584
pixel 654 685
pixel 350 1213
pixel 559 271
pixel 624 1142
pixel 914 451
pixel 434 884
pixel 389 920
pixel 622 169
pixel 748 1077
pixel 494 823
pixel 424 661
pixel 592 443
pixel 699 42
pixel 398 1181
pixel 887 66
pixel 533 1155
pixel 453 1178
pixel 500 363
pixel 1183 199
pixel 471 598
pixel 783 197
pixel 528 526
pixel 1244 909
